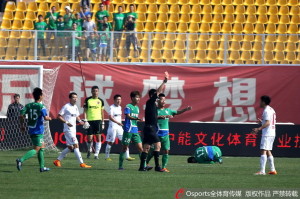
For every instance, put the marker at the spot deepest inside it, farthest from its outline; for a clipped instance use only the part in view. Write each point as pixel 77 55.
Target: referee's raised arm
pixel 159 90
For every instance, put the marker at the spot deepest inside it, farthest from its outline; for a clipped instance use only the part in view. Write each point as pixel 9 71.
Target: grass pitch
pixel 105 181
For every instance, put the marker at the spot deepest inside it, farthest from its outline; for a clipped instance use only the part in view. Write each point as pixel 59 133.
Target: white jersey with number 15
pixel 270 115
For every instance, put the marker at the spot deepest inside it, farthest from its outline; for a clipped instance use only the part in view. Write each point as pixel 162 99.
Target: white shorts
pixel 266 142
pixel 71 138
pixel 113 132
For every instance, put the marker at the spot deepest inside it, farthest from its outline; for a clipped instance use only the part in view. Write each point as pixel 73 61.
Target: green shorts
pixel 165 142
pixel 37 139
pixel 128 137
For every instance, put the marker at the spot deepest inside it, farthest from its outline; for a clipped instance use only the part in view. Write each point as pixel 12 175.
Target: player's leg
pixel 270 156
pixel 90 136
pixel 40 139
pixel 263 155
pixel 68 149
pixel 125 143
pixel 165 146
pixel 157 147
pixel 110 139
pixel 150 155
pixel 119 134
pixel 97 131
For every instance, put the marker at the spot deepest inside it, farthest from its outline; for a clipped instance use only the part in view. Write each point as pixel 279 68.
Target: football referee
pixel 150 136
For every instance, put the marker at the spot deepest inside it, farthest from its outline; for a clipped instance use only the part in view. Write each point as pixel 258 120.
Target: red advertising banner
pixel 224 94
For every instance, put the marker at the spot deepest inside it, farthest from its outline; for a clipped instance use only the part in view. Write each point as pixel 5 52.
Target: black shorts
pixel 150 135
pixel 95 127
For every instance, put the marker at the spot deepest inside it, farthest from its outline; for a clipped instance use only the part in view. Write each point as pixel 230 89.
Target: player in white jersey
pixel 115 128
pixel 69 114
pixel 267 122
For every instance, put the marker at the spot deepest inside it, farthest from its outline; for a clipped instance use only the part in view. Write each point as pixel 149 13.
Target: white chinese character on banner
pixel 241 92
pixel 25 83
pixel 104 83
pixel 173 90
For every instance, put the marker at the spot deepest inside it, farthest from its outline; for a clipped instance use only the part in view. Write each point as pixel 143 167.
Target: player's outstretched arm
pixel 47 118
pixel 160 88
pixel 132 118
pixel 184 110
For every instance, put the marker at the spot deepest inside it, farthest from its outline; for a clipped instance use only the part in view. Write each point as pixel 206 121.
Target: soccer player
pixel 131 132
pixel 164 114
pixel 150 136
pixel 94 114
pixel 69 114
pixel 206 155
pixel 115 126
pixel 36 113
pixel 119 19
pixel 41 26
pixel 267 122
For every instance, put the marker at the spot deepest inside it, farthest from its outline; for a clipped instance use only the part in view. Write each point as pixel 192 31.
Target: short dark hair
pixel 161 95
pixel 16 95
pixel 134 94
pixel 101 4
pixel 266 99
pixel 74 24
pixel 37 93
pixel 116 96
pixel 40 16
pixel 131 5
pixel 71 94
pixel 152 92
pixel 95 87
pixel 191 160
pixel 53 7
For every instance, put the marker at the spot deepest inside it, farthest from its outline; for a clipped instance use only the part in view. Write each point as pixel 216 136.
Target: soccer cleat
pixel 83 165
pixel 166 170
pixel 148 168
pixel 108 159
pixel 19 164
pixel 142 169
pixel 57 163
pixel 158 169
pixel 272 173
pixel 259 173
pixel 88 155
pixel 130 159
pixel 96 158
pixel 121 169
pixel 45 169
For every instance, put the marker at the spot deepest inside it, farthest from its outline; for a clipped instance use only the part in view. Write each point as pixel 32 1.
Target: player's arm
pixel 183 110
pixel 265 125
pixel 22 121
pixel 45 115
pixel 60 117
pixel 132 118
pixel 115 121
pixel 159 90
pixel 80 121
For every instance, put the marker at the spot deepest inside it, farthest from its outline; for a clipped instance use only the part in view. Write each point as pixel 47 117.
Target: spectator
pixel 52 16
pixel 108 24
pixel 77 36
pixel 78 21
pixel 119 19
pixel 85 3
pixel 84 12
pixel 106 3
pixel 130 36
pixel 99 16
pixel 60 25
pixel 91 46
pixel 89 26
pixel 68 18
pixel 132 13
pixel 14 108
pixel 103 44
pixel 41 26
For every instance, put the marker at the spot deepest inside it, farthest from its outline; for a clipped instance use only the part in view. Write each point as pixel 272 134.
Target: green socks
pixel 165 159
pixel 41 158
pixel 121 159
pixel 28 155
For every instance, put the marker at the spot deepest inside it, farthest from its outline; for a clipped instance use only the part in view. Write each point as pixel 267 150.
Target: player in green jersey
pixel 36 113
pixel 206 154
pixel 164 114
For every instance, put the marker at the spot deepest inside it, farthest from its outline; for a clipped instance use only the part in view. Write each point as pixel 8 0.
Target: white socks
pixel 78 155
pixel 98 147
pixel 107 150
pixel 271 162
pixel 63 154
pixel 263 161
pixel 127 153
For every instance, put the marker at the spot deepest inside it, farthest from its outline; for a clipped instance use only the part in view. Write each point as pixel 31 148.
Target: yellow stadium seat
pixel 185 18
pixel 17 25
pixel 273 19
pixel 257 56
pixel 181 37
pixel 229 9
pixel 216 2
pixel 175 9
pixel 182 27
pixel 213 45
pixel 237 28
pixel 145 44
pixel 295 19
pixel 15 34
pixel 28 25
pixel 152 17
pixel 160 27
pixel 240 9
pixel 201 54
pixel 196 18
pixel 205 27
pixel 21 6
pixel 234 55
pixel 193 37
pixel 32 6
pixel 249 37
pixel 207 9
pixel 179 54
pixel 44 7
pixel 280 46
pixel 160 2
pixel 248 28
pixel 194 2
pixel 163 8
pixel 295 10
pixel 194 27
pixel 290 47
pixel 293 29
pixel 251 19
pixel 142 17
pixel 185 9
pixel 172 2
pixel 8 15
pixel 163 17
pixel 157 45
pixel 180 45
pixel 205 2
pixel 293 38
pixel 11 53
pixel 22 53
pixel 183 2
pixel 192 45
pixel 218 18
pixel 262 19
pixel 76 7
pixel 169 45
pixel 174 17
pixel 156 54
pixel 19 15
pixel 257 46
pixel 170 37
pixel 262 10
pixel 30 15
pixel 238 2
pixel 290 56
pixel 172 27
pixel 246 55
pixel 251 10
pixel 268 56
pixel 51 1
pixel 282 2
pixel 73 1
pixel 62 1
pixel 284 19
pixel 293 2
pixel 235 45
pixel 26 35
pixel 6 24
pixel 202 45
pixel 139 1
pixel 142 8
pixel 273 10
pixel 246 45
pixel 284 10
pixel 196 9
pixel 149 27
pixel 240 18
pixel 207 18
pixel 218 9
pixel 140 26
pixel 152 8
pixel 249 2
pixel 271 2
pixel 282 29
pixel 13 42
pixel 279 56
pixel 167 54
pixel 212 55
pixel 226 28
pixel 227 2
pixel 96 1
pixel 215 28
pixel 229 18
pixel 24 42
pixel 260 2
pixel 259 28
pixel 3 42
pixel 269 46
pixel 271 29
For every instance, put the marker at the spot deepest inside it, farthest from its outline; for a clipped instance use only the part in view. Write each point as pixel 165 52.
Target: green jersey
pixel 36 113
pixel 119 19
pixel 163 124
pixel 52 19
pixel 60 25
pixel 91 43
pixel 134 14
pixel 79 23
pixel 208 154
pixel 68 20
pixel 131 125
pixel 41 26
pixel 101 14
